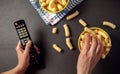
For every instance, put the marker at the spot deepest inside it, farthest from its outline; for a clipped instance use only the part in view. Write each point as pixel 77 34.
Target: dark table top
pixel 92 11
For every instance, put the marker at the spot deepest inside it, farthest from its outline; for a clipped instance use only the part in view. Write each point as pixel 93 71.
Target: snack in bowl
pixel 53 6
pixel 102 36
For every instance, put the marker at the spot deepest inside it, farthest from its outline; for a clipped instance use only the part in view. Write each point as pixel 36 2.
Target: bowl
pixel 53 6
pixel 103 31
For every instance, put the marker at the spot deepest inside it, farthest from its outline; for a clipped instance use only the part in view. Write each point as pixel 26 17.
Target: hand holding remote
pixel 23 55
pixel 23 58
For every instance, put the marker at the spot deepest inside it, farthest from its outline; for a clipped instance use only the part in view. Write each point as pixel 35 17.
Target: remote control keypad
pixel 22 32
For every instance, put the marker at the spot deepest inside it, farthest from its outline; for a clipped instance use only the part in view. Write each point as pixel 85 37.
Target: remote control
pixel 24 36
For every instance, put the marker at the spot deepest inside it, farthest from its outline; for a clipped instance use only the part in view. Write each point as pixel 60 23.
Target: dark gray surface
pixel 93 11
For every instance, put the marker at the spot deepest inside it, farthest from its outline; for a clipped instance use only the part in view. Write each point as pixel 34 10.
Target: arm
pixel 15 70
pixel 90 55
pixel 23 59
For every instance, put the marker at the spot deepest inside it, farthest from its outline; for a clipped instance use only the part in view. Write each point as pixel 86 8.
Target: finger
pixel 27 48
pixel 99 53
pixel 37 49
pixel 98 50
pixel 19 47
pixel 82 45
pixel 102 50
pixel 93 46
pixel 86 43
pixel 98 56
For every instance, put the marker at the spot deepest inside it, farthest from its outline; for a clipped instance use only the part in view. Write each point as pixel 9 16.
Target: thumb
pixel 27 48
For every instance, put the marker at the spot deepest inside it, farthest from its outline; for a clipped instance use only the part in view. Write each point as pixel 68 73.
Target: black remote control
pixel 24 36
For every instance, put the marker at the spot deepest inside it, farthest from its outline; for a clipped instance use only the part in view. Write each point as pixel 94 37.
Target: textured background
pixel 92 11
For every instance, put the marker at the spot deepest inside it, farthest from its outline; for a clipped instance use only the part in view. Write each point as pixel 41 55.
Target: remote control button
pixel 19 32
pixel 21 29
pixel 24 28
pixel 23 33
pixel 21 36
pixel 17 27
pixel 26 35
pixel 25 41
pixel 23 25
pixel 16 24
pixel 27 38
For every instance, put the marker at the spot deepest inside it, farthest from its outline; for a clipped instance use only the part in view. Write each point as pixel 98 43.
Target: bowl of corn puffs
pixel 101 34
pixel 53 6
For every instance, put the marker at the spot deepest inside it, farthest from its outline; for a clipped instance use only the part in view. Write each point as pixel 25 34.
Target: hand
pixel 90 55
pixel 23 59
pixel 24 56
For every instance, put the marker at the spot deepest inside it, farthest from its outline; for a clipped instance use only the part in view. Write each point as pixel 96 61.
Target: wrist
pixel 83 72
